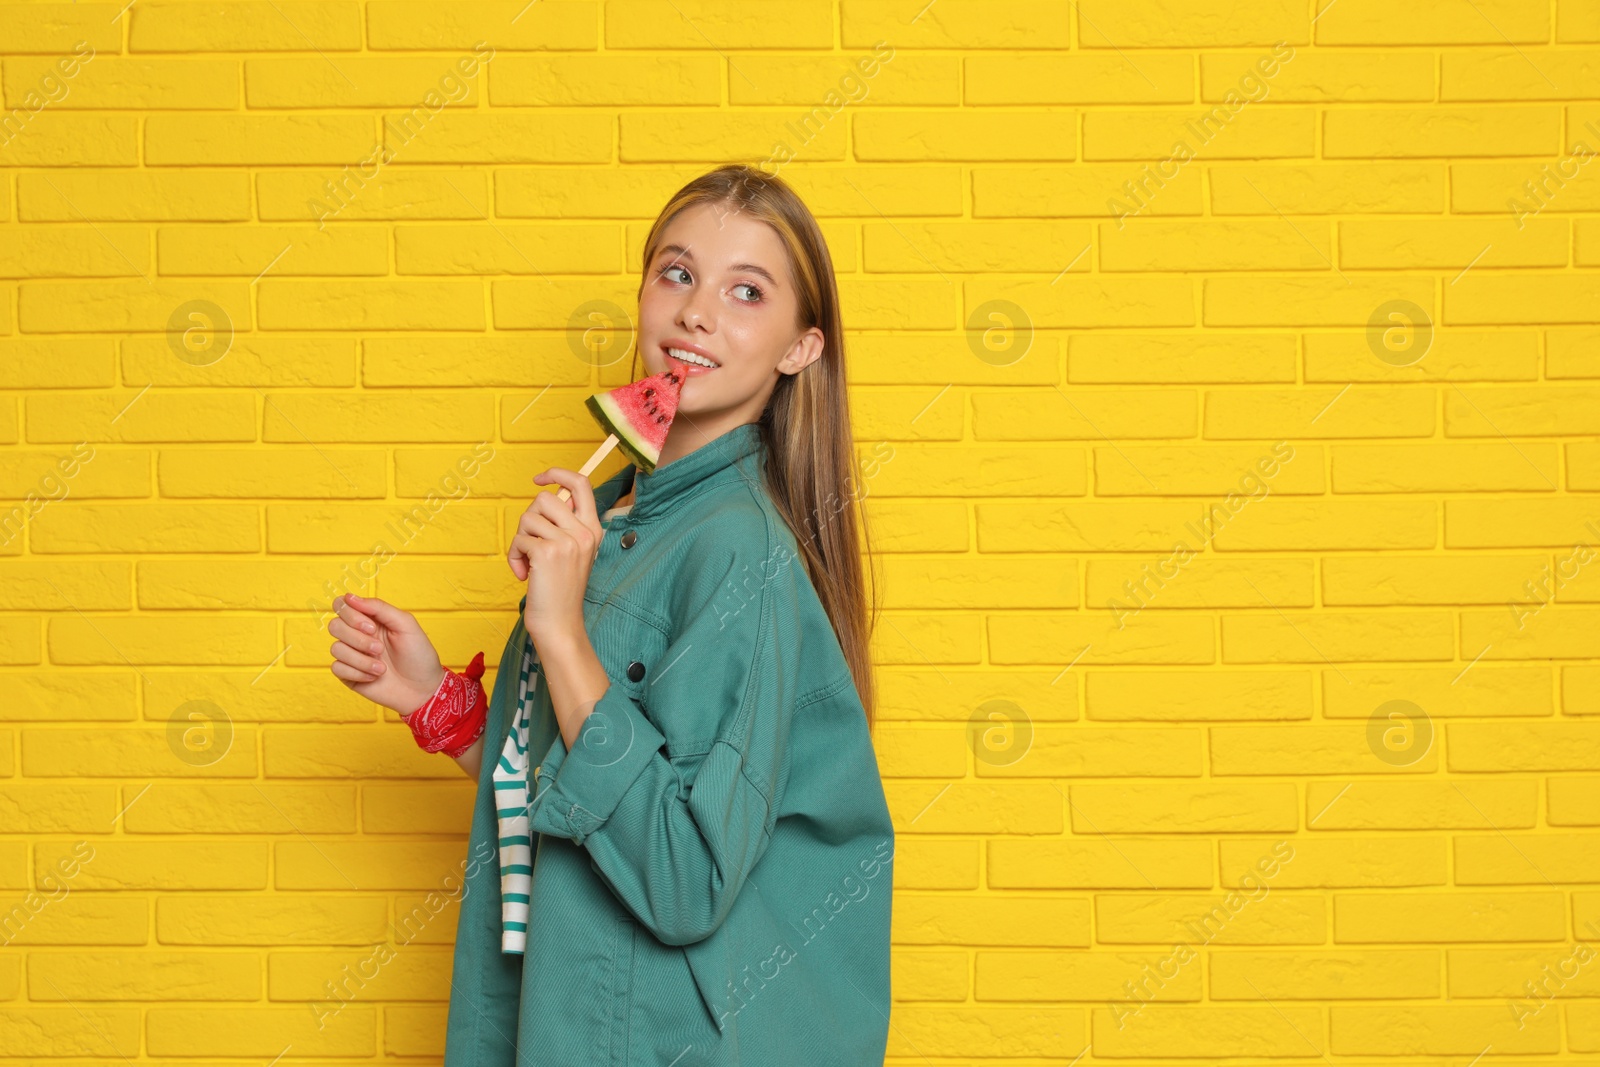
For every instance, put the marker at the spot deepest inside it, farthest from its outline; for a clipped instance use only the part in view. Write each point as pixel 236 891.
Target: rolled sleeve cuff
pixel 576 791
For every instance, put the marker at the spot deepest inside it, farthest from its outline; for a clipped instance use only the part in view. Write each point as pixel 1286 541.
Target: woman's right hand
pixel 383 654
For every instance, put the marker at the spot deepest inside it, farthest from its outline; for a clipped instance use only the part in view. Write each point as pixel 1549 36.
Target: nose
pixel 695 311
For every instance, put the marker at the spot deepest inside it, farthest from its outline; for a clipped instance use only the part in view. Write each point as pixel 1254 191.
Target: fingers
pixel 354 632
pixel 547 519
pixel 582 502
pixel 543 527
pixel 360 640
pixel 366 665
pixel 384 613
pixel 520 554
pixel 559 515
pixel 351 617
pixel 349 675
pixel 533 529
pixel 518 558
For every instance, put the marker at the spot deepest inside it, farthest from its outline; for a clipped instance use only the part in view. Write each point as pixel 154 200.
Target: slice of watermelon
pixel 640 414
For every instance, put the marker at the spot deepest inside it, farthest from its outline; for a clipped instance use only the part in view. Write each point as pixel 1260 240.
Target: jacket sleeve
pixel 677 854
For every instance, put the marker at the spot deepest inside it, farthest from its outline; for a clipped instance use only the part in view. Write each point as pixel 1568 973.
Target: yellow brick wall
pixel 1240 363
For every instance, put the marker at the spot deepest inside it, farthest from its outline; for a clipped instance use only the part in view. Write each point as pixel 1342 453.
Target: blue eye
pixel 756 288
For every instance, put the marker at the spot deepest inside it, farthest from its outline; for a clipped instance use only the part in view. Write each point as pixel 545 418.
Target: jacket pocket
pixel 634 653
pixel 628 647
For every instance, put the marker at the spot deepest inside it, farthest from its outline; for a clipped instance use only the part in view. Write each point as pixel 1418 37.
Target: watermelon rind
pixel 639 423
pixel 610 417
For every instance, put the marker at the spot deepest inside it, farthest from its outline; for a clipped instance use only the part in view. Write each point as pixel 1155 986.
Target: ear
pixel 806 350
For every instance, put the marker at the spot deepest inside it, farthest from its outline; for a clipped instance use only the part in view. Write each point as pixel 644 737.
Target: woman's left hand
pixel 554 550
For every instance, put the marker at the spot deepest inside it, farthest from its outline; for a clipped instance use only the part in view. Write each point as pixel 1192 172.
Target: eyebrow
pixel 754 268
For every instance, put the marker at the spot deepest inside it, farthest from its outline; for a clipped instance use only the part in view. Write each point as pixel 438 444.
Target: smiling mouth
pixel 694 359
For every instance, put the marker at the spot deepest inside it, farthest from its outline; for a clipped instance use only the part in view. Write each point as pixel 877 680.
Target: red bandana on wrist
pixel 455 716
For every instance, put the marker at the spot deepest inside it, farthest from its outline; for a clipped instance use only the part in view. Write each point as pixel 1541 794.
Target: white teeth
pixel 691 357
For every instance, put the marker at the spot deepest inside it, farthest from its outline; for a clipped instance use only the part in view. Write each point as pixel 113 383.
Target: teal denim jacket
pixel 713 858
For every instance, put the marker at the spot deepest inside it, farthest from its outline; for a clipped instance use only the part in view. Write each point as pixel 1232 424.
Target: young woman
pixel 681 799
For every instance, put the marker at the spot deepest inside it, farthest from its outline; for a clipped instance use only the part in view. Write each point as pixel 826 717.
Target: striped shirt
pixel 512 801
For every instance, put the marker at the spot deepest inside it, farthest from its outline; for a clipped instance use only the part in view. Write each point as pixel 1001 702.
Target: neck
pixel 688 434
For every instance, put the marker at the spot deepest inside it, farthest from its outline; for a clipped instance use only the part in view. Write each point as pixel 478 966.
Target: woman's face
pixel 720 286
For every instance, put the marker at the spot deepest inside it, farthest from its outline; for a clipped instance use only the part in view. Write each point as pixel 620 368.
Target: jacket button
pixel 635 671
pixel 629 538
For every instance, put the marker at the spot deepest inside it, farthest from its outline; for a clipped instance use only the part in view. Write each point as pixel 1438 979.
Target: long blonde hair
pixel 811 465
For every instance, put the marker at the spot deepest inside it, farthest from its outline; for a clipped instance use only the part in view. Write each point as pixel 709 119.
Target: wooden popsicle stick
pixel 594 461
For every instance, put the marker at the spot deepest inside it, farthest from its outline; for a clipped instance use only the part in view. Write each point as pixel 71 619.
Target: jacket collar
pixel 658 493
